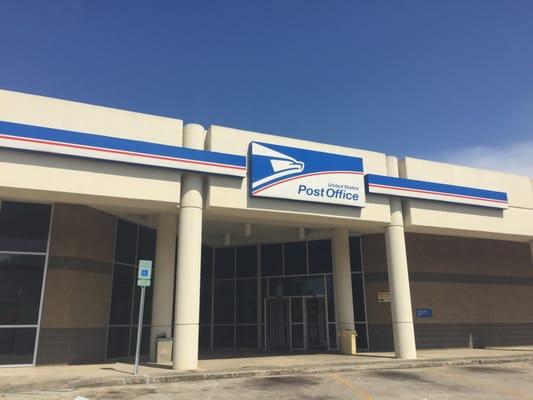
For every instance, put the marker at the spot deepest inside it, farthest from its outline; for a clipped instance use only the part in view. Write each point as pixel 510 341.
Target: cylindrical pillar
pixel 165 253
pixel 187 309
pixel 342 280
pixel 402 315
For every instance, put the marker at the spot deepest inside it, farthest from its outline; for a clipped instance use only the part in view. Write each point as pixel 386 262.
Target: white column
pixel 163 278
pixel 342 280
pixel 402 315
pixel 187 308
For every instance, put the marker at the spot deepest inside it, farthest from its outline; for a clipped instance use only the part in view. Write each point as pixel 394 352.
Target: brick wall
pixel 78 286
pixel 480 291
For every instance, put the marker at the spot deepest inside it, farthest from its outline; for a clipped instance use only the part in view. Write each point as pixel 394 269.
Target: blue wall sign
pixel 424 313
pixel 57 141
pixel 435 191
pixel 298 174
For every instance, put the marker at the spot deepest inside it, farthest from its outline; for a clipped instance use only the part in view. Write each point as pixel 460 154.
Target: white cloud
pixel 516 158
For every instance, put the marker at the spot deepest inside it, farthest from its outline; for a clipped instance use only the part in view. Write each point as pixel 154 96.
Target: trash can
pixel 163 350
pixel 348 341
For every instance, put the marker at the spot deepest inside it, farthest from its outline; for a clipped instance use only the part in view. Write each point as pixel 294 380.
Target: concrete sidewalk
pixel 223 365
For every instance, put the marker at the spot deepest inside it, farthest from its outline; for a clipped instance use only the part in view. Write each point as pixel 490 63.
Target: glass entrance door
pixel 296 323
pixel 278 310
pixel 315 323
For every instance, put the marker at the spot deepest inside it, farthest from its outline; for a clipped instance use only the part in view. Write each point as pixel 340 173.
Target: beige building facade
pixel 409 253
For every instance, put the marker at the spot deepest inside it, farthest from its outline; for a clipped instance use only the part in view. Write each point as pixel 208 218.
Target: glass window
pixel 297 313
pixel 362 340
pixel 358 294
pixel 145 340
pixel 271 260
pixel 355 253
pixel 297 286
pixel 121 295
pixel 147 240
pixel 264 288
pixel 20 288
pixel 331 298
pixel 332 336
pixel 247 336
pixel 224 301
pixel 126 243
pixel 225 263
pixel 295 258
pixel 118 342
pixel 246 300
pixel 207 263
pixel 205 301
pixel 133 243
pixel 24 226
pixel 246 261
pixel 297 336
pixel 204 340
pixel 319 256
pixel 17 345
pixel 147 313
pixel 223 336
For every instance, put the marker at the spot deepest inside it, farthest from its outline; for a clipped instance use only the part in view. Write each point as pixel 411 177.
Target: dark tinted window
pixel 331 298
pixel 225 263
pixel 207 263
pixel 224 300
pixel 297 286
pixel 297 312
pixel 126 242
pixel 147 313
pixel 122 293
pixel 297 336
pixel 16 345
pixel 246 301
pixel 295 258
pixel 21 278
pixel 205 301
pixel 358 297
pixel 118 342
pixel 332 336
pixel 223 336
pixel 246 261
pixel 247 336
pixel 319 256
pixel 147 240
pixel 362 339
pixel 204 340
pixel 145 340
pixel 24 226
pixel 355 253
pixel 271 260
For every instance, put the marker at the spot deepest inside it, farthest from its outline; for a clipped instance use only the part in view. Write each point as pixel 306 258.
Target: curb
pixel 77 383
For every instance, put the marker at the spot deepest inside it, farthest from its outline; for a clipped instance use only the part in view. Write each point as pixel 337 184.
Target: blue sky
pixel 450 80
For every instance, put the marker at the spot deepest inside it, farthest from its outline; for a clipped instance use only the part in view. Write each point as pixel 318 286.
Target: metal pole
pixel 139 332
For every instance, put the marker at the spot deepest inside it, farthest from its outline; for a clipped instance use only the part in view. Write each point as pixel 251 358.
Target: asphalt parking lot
pixel 487 382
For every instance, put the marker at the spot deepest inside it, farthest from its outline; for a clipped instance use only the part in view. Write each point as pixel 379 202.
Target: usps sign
pixel 297 174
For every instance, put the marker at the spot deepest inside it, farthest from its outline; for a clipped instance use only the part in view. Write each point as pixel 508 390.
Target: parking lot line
pixel 361 393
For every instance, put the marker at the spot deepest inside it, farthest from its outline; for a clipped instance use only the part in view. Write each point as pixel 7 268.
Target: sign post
pixel 144 279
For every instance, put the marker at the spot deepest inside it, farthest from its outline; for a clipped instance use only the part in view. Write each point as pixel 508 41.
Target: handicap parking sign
pixel 145 270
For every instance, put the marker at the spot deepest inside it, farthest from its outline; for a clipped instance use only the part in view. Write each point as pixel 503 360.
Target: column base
pixel 185 347
pixel 404 340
